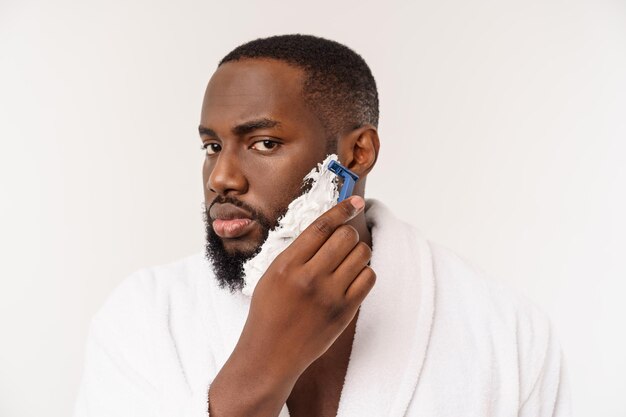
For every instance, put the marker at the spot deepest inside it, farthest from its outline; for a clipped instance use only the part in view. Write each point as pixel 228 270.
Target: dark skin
pixel 261 140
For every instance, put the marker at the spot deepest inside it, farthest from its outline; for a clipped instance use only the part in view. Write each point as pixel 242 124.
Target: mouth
pixel 232 228
pixel 230 221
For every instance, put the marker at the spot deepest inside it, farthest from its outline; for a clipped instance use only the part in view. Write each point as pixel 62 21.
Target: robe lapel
pixel 394 323
pixel 393 327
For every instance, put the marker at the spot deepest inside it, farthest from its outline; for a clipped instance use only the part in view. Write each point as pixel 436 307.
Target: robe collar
pixel 393 327
pixel 394 322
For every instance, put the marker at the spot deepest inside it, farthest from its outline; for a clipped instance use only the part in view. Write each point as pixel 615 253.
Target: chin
pixel 244 244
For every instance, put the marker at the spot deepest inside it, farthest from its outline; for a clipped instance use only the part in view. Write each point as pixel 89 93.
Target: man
pixel 359 316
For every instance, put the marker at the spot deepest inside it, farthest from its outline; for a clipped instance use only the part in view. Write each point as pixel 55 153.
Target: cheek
pixel 280 183
pixel 205 179
pixel 273 191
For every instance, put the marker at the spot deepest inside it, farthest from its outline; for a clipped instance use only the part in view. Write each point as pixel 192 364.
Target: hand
pixel 309 294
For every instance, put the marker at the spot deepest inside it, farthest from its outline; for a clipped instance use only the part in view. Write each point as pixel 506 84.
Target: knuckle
pixel 349 233
pixel 332 310
pixel 306 285
pixel 322 226
pixel 280 267
pixel 365 250
pixel 281 271
pixel 370 276
pixel 335 312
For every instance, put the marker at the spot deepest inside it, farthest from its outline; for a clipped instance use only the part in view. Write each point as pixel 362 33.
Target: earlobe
pixel 358 150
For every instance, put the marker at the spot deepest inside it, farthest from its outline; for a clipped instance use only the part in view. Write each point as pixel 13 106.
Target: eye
pixel 265 145
pixel 211 147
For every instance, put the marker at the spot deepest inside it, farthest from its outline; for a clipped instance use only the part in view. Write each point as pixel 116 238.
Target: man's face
pixel 261 141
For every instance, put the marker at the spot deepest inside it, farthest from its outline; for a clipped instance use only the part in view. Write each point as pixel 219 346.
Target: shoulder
pixel 485 307
pixel 147 295
pixel 473 290
pixel 467 299
pixel 147 315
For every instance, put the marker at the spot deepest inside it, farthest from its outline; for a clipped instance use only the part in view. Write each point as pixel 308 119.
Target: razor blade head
pixel 349 179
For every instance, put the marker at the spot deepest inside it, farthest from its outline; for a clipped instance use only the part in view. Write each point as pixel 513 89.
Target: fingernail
pixel 357 202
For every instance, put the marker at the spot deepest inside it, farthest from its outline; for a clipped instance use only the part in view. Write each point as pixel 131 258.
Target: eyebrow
pixel 243 128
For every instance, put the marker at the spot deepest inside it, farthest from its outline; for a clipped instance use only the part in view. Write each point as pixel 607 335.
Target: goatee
pixel 228 266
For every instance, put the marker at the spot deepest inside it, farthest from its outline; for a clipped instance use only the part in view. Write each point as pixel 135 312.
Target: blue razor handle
pixel 349 179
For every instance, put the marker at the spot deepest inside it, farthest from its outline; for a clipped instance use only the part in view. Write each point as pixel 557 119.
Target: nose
pixel 226 175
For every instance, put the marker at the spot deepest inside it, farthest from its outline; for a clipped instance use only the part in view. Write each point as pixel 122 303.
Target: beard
pixel 228 266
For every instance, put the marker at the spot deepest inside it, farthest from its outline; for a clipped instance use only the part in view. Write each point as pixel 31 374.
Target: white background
pixel 503 137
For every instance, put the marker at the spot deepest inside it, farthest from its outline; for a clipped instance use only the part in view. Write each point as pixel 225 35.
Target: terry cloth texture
pixel 435 337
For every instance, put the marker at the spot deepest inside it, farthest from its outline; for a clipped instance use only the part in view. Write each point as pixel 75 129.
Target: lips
pixel 229 221
pixel 231 228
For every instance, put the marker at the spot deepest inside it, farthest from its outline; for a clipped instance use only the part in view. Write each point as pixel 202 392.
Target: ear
pixel 358 149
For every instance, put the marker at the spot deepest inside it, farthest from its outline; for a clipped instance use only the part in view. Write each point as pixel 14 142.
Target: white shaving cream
pixel 300 214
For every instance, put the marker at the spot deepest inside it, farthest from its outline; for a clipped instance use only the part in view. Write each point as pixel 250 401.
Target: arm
pixel 301 305
pixel 246 387
pixel 303 302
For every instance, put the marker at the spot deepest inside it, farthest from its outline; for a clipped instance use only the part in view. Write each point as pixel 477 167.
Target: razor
pixel 349 179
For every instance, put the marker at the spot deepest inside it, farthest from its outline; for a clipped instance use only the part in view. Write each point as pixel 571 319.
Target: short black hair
pixel 338 85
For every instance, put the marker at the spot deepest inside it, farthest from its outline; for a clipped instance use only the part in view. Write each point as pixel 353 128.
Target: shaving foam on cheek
pixel 322 195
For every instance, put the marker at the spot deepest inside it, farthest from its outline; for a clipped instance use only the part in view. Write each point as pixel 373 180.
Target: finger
pixel 352 265
pixel 335 250
pixel 313 237
pixel 361 286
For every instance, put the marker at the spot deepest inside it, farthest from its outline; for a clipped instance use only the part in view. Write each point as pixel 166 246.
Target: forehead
pixel 253 88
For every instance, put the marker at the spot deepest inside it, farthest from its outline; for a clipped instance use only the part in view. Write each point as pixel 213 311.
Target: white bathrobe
pixel 434 338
